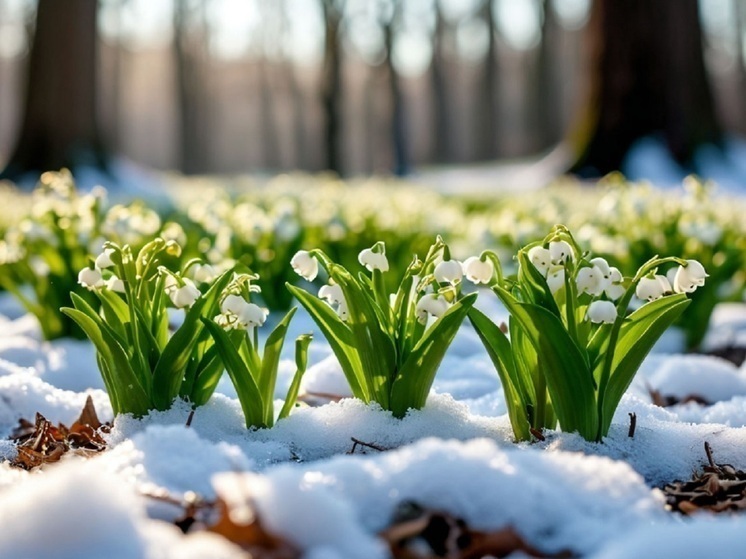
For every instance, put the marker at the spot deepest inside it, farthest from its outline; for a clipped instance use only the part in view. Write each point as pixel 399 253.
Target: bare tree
pixel 398 124
pixel 486 117
pixel 59 126
pixel 439 78
pixel 189 46
pixel 332 85
pixel 648 78
pixel 547 94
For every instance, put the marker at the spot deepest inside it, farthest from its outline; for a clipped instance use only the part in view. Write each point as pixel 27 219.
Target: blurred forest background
pixel 355 86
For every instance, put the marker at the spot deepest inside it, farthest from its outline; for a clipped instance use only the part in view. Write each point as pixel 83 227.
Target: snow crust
pixel 456 456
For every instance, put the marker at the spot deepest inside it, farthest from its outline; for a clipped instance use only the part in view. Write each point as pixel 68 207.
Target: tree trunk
pixel 188 51
pixel 548 127
pixel 59 126
pixel 648 78
pixel 741 61
pixel 438 71
pixel 398 124
pixel 332 87
pixel 486 118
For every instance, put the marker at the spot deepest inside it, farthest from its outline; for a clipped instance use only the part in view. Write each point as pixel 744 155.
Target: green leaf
pixel 122 381
pixel 270 361
pixel 252 403
pixel 413 381
pixel 169 372
pixel 301 362
pixel 374 347
pixel 498 348
pixel 206 377
pixel 339 337
pixel 535 286
pixel 639 333
pixel 567 374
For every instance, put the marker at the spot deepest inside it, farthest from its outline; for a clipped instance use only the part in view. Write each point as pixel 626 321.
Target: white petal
pixel 478 271
pixel 448 271
pixel 540 258
pixel 602 312
pixel 305 265
pixel 560 252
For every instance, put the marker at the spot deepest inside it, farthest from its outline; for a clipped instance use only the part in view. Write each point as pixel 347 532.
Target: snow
pixel 456 455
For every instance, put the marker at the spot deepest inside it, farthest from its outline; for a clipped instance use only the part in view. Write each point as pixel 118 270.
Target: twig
pixel 189 419
pixel 710 459
pixel 357 442
pixel 632 425
pixel 537 434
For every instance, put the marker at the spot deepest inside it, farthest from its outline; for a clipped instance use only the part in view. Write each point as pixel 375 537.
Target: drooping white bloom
pixel 590 280
pixel 251 315
pixel 615 289
pixel 332 293
pixel 203 273
pixel 688 278
pixel 602 311
pixel 449 271
pixel 560 252
pixel 431 304
pixel 373 260
pixel 232 304
pixel 650 289
pixel 305 265
pixel 477 270
pixel 115 284
pixel 103 260
pixel 556 278
pixel 90 279
pixel 540 258
pixel 183 296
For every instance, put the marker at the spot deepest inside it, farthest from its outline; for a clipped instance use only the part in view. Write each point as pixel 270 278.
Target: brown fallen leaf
pixel 719 488
pixel 40 442
pixel 418 533
pixel 664 401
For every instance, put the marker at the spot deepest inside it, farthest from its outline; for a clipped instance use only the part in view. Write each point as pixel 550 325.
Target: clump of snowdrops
pixel 389 345
pixel 146 366
pixel 571 347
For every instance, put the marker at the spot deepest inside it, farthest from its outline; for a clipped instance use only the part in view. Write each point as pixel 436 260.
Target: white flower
pixel 203 273
pixel 232 304
pixel 449 271
pixel 556 278
pixel 650 289
pixel 560 252
pixel 373 260
pixel 305 265
pixel 103 260
pixel 332 293
pixel 615 289
pixel 90 279
pixel 431 304
pixel 602 311
pixel 590 280
pixel 477 270
pixel 39 266
pixel 540 258
pixel 115 284
pixel 185 295
pixel 688 278
pixel 252 315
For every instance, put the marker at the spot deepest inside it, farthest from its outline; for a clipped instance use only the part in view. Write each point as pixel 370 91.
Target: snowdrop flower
pixel 602 312
pixel 556 278
pixel 115 284
pixel 305 265
pixel 251 315
pixel 431 304
pixel 540 258
pixel 203 273
pixel 103 260
pixel 183 296
pixel 650 289
pixel 39 266
pixel 373 260
pixel 688 278
pixel 560 252
pixel 615 289
pixel 332 293
pixel 90 279
pixel 448 271
pixel 478 271
pixel 232 304
pixel 590 280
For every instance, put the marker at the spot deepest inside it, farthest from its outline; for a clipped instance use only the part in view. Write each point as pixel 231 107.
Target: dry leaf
pixel 418 533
